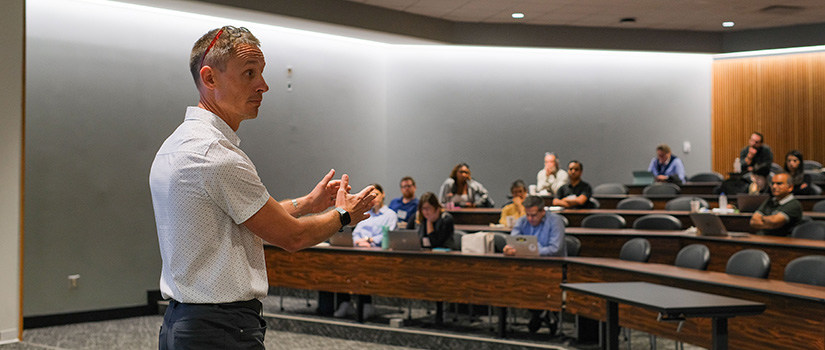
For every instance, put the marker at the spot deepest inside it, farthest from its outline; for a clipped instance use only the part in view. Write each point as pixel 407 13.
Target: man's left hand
pixel 323 195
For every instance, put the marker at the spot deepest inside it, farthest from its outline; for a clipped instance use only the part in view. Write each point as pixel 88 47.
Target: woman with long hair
pixel 461 190
pixel 436 226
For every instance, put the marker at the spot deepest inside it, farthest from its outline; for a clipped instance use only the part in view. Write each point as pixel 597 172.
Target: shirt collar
pixel 787 199
pixel 377 213
pixel 197 113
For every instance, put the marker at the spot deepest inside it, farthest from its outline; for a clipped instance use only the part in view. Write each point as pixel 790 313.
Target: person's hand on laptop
pixel 509 250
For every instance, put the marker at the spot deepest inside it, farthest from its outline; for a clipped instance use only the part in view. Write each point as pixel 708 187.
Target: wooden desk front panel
pixel 493 280
pixel 788 322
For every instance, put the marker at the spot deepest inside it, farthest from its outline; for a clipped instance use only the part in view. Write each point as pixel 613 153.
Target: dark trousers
pixel 236 325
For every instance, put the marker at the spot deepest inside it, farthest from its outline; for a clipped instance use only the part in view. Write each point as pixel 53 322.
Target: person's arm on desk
pixel 768 222
pixel 277 226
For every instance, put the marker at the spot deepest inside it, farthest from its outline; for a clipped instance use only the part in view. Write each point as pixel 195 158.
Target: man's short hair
pixel 577 162
pixel 757 133
pixel 664 148
pixel 517 184
pixel 378 187
pixel 220 52
pixel 406 178
pixel 533 201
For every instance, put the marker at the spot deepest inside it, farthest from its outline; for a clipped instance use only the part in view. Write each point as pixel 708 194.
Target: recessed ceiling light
pixel 727 24
pixel 517 15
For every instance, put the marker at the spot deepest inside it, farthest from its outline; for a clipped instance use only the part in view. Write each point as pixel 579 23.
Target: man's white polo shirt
pixel 203 187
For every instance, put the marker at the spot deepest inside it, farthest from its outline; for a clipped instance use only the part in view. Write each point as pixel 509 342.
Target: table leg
pixel 502 322
pixel 439 313
pixel 720 333
pixel 612 338
pixel 359 309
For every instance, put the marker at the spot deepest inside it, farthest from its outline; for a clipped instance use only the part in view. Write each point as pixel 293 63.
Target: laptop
pixel 404 240
pixel 342 239
pixel 524 245
pixel 749 203
pixel 642 177
pixel 708 224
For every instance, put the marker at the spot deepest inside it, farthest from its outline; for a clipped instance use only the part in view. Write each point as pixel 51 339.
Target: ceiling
pixel 691 15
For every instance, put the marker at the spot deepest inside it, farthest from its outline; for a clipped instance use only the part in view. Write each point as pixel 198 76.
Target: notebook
pixel 642 177
pixel 342 239
pixel 404 240
pixel 524 245
pixel 749 203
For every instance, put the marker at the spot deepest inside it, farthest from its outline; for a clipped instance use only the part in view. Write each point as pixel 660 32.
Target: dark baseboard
pixel 151 308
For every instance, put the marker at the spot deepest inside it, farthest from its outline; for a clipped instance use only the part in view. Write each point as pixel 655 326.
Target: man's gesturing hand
pixel 356 204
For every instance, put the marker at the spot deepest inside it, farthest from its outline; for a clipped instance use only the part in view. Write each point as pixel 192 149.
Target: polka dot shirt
pixel 203 187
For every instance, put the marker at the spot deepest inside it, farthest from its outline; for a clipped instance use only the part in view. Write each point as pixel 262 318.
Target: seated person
pixel 779 214
pixel 666 167
pixel 549 231
pixel 795 169
pixel 577 193
pixel 368 233
pixel 516 208
pixel 406 205
pixel 435 225
pixel 759 181
pixel 461 190
pixel 756 154
pixel 551 178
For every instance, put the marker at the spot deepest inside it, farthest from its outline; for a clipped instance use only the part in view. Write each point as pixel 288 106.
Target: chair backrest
pixel 816 190
pixel 456 244
pixel 707 177
pixel 683 203
pixel 816 176
pixel 595 202
pixel 604 220
pixel 811 164
pixel 807 269
pixel 695 256
pixel 809 230
pixel 635 203
pixel 661 188
pixel 749 263
pixel 637 249
pixel 564 220
pixel 657 222
pixel 610 188
pixel 573 245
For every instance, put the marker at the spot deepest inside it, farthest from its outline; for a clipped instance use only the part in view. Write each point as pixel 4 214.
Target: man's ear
pixel 207 77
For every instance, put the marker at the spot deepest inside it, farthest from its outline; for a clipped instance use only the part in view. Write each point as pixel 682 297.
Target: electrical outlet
pixel 73 281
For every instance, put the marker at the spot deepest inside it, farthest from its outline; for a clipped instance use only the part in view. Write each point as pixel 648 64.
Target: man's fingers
pixel 328 177
pixel 366 191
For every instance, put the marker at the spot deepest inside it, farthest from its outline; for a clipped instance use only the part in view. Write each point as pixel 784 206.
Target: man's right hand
pixel 357 204
pixel 509 250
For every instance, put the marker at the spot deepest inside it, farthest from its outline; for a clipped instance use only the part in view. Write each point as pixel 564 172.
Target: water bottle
pixel 723 202
pixel 385 241
pixel 737 165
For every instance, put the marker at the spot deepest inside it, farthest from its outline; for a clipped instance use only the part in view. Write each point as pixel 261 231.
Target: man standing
pixel 549 232
pixel 551 178
pixel 756 154
pixel 778 215
pixel 577 193
pixel 406 206
pixel 213 212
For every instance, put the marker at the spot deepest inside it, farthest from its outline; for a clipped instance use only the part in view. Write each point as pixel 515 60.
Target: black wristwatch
pixel 345 218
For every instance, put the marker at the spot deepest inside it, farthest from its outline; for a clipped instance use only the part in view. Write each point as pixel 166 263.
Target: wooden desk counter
pixel 493 279
pixel 606 243
pixel 794 318
pixel 686 188
pixel 609 201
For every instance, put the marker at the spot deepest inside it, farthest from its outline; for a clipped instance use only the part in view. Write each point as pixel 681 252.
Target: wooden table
pixel 606 243
pixel 686 188
pixel 671 303
pixel 794 317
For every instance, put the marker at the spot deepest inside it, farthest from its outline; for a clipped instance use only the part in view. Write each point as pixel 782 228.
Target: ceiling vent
pixel 782 10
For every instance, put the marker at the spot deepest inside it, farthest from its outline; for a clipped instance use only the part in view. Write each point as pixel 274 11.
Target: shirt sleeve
pixel 443 229
pixel 652 167
pixel 551 241
pixel 679 169
pixel 232 182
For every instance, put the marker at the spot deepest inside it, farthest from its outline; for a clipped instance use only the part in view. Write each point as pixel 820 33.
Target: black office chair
pixel 573 245
pixel 665 188
pixel 637 249
pixel 610 188
pixel 564 220
pixel 815 189
pixel 809 230
pixel 635 203
pixel 695 256
pixel 776 168
pixel 456 244
pixel 499 241
pixel 604 220
pixel 749 263
pixel 594 203
pixel 808 164
pixel 657 222
pixel 683 203
pixel 819 207
pixel 707 177
pixel 807 269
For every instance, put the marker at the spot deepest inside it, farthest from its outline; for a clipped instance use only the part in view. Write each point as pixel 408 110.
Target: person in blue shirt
pixel 666 167
pixel 406 206
pixel 369 233
pixel 549 231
